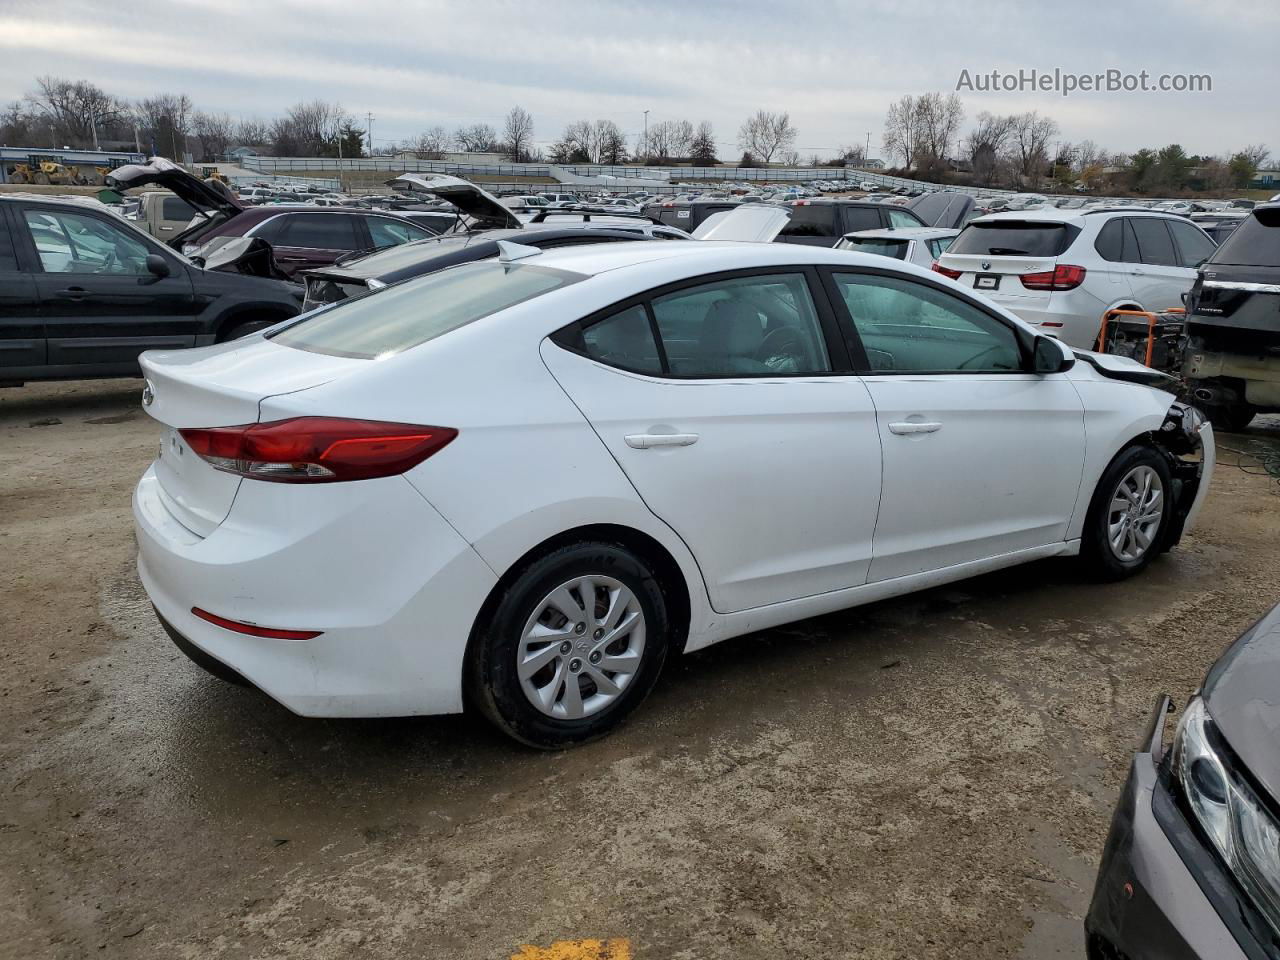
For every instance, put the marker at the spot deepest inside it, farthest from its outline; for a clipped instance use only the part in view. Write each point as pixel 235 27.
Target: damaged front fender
pixel 1186 439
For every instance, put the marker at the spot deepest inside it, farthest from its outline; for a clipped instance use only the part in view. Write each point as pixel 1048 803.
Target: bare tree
pixel 165 120
pixel 1031 136
pixel 986 144
pixel 901 134
pixel 73 108
pixel 610 143
pixel 477 138
pixel 214 131
pixel 252 132
pixel 18 125
pixel 937 125
pixel 432 144
pixel 764 135
pixel 1257 154
pixel 854 156
pixel 517 133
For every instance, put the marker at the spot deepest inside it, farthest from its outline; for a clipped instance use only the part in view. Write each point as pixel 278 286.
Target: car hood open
pixel 167 174
pixel 943 208
pixel 752 222
pixel 1242 693
pixel 483 207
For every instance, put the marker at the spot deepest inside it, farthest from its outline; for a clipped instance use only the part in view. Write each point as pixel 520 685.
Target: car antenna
pixel 509 251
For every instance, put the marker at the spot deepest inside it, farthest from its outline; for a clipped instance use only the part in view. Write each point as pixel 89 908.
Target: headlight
pixel 1240 827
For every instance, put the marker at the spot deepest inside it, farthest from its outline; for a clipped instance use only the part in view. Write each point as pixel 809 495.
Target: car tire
pixel 1229 417
pixel 1126 528
pixel 557 616
pixel 244 329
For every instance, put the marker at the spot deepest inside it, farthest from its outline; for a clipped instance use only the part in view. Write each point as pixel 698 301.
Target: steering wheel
pixel 965 364
pixel 784 340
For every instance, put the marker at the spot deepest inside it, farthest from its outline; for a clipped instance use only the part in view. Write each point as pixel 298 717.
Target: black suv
pixel 83 292
pixel 1232 364
pixel 821 222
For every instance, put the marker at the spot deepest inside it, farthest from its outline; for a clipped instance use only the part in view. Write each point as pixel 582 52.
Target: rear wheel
pixel 1128 518
pixel 572 646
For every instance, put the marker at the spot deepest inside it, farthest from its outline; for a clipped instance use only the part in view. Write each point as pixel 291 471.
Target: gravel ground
pixel 926 777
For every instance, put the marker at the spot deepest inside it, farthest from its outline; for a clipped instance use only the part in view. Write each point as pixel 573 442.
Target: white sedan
pixel 521 483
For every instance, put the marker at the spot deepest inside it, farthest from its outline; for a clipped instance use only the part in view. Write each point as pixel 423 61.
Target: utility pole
pixel 93 121
pixel 369 130
pixel 646 135
pixel 866 154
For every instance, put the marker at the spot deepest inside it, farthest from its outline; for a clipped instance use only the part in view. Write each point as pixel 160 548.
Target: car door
pixel 980 457
pixel 1117 248
pixel 100 304
pixel 21 327
pixel 1160 280
pixel 302 241
pixel 721 401
pixel 1194 245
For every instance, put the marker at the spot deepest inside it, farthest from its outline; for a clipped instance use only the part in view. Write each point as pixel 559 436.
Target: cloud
pixel 834 67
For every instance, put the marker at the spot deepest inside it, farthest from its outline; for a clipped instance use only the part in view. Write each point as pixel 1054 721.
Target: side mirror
pixel 1051 356
pixel 157 266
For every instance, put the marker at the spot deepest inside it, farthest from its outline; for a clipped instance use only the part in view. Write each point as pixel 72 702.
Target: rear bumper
pixel 1150 901
pixel 392 586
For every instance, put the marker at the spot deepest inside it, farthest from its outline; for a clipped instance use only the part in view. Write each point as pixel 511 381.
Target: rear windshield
pixel 1014 238
pixel 407 314
pixel 884 247
pixel 1255 243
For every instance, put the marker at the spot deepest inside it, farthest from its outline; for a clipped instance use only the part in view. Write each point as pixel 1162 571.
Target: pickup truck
pixel 163 214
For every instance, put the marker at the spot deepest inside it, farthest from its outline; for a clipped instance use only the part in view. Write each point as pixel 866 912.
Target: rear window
pixel 411 313
pixel 175 208
pixel 882 247
pixel 1255 243
pixel 811 220
pixel 1014 238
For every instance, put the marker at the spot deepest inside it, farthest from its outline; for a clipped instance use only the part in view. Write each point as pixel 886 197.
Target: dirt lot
pixel 928 777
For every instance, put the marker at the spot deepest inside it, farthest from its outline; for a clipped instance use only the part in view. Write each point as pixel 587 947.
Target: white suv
pixel 1062 269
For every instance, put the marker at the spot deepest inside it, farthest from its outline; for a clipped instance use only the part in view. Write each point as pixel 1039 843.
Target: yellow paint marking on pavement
pixel 617 948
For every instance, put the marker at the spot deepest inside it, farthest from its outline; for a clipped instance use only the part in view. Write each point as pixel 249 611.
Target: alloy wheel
pixel 581 647
pixel 1133 519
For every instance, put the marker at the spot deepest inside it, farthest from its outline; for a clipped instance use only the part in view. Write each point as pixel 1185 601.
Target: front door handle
pixel 643 441
pixel 73 293
pixel 905 428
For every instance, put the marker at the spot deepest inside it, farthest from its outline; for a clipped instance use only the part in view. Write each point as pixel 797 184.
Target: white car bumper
pixel 393 588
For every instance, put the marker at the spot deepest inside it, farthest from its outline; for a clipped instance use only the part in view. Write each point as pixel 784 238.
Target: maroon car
pixel 302 237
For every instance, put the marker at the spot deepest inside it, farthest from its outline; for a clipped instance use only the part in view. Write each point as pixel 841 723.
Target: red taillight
pixel 1062 277
pixel 317 449
pixel 951 274
pixel 252 630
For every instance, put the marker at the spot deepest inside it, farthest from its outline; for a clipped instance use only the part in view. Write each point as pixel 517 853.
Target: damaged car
pixel 1191 866
pixel 1232 362
pixel 503 483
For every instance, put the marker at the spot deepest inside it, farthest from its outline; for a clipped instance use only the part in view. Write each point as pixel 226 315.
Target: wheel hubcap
pixel 1133 519
pixel 581 647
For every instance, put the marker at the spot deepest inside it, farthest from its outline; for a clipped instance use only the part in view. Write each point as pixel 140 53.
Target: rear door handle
pixel 907 427
pixel 73 293
pixel 643 441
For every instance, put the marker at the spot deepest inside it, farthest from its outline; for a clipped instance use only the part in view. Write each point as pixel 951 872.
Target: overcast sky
pixel 833 65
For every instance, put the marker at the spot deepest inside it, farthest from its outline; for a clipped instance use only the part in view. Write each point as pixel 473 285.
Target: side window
pixel 8 256
pixel 1193 246
pixel 911 327
pixel 1154 242
pixel 861 218
pixel 761 326
pixel 939 247
pixel 624 340
pixel 76 243
pixel 271 229
pixel 812 220
pixel 324 231
pixel 900 218
pixel 389 233
pixel 175 208
pixel 1110 242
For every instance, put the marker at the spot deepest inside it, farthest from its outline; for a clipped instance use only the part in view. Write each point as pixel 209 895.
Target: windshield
pixel 882 246
pixel 1255 243
pixel 1014 238
pixel 411 313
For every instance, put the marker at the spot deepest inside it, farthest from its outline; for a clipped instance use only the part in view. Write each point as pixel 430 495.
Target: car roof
pixel 1073 215
pixel 708 255
pixel 902 233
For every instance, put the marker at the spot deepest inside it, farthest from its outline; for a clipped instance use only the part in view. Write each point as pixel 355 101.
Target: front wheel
pixel 1129 516
pixel 572 646
pixel 1232 417
pixel 244 329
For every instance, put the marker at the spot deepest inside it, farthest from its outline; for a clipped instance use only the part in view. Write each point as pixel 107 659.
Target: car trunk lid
pixel 751 222
pixel 214 204
pixel 219 386
pixel 483 207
